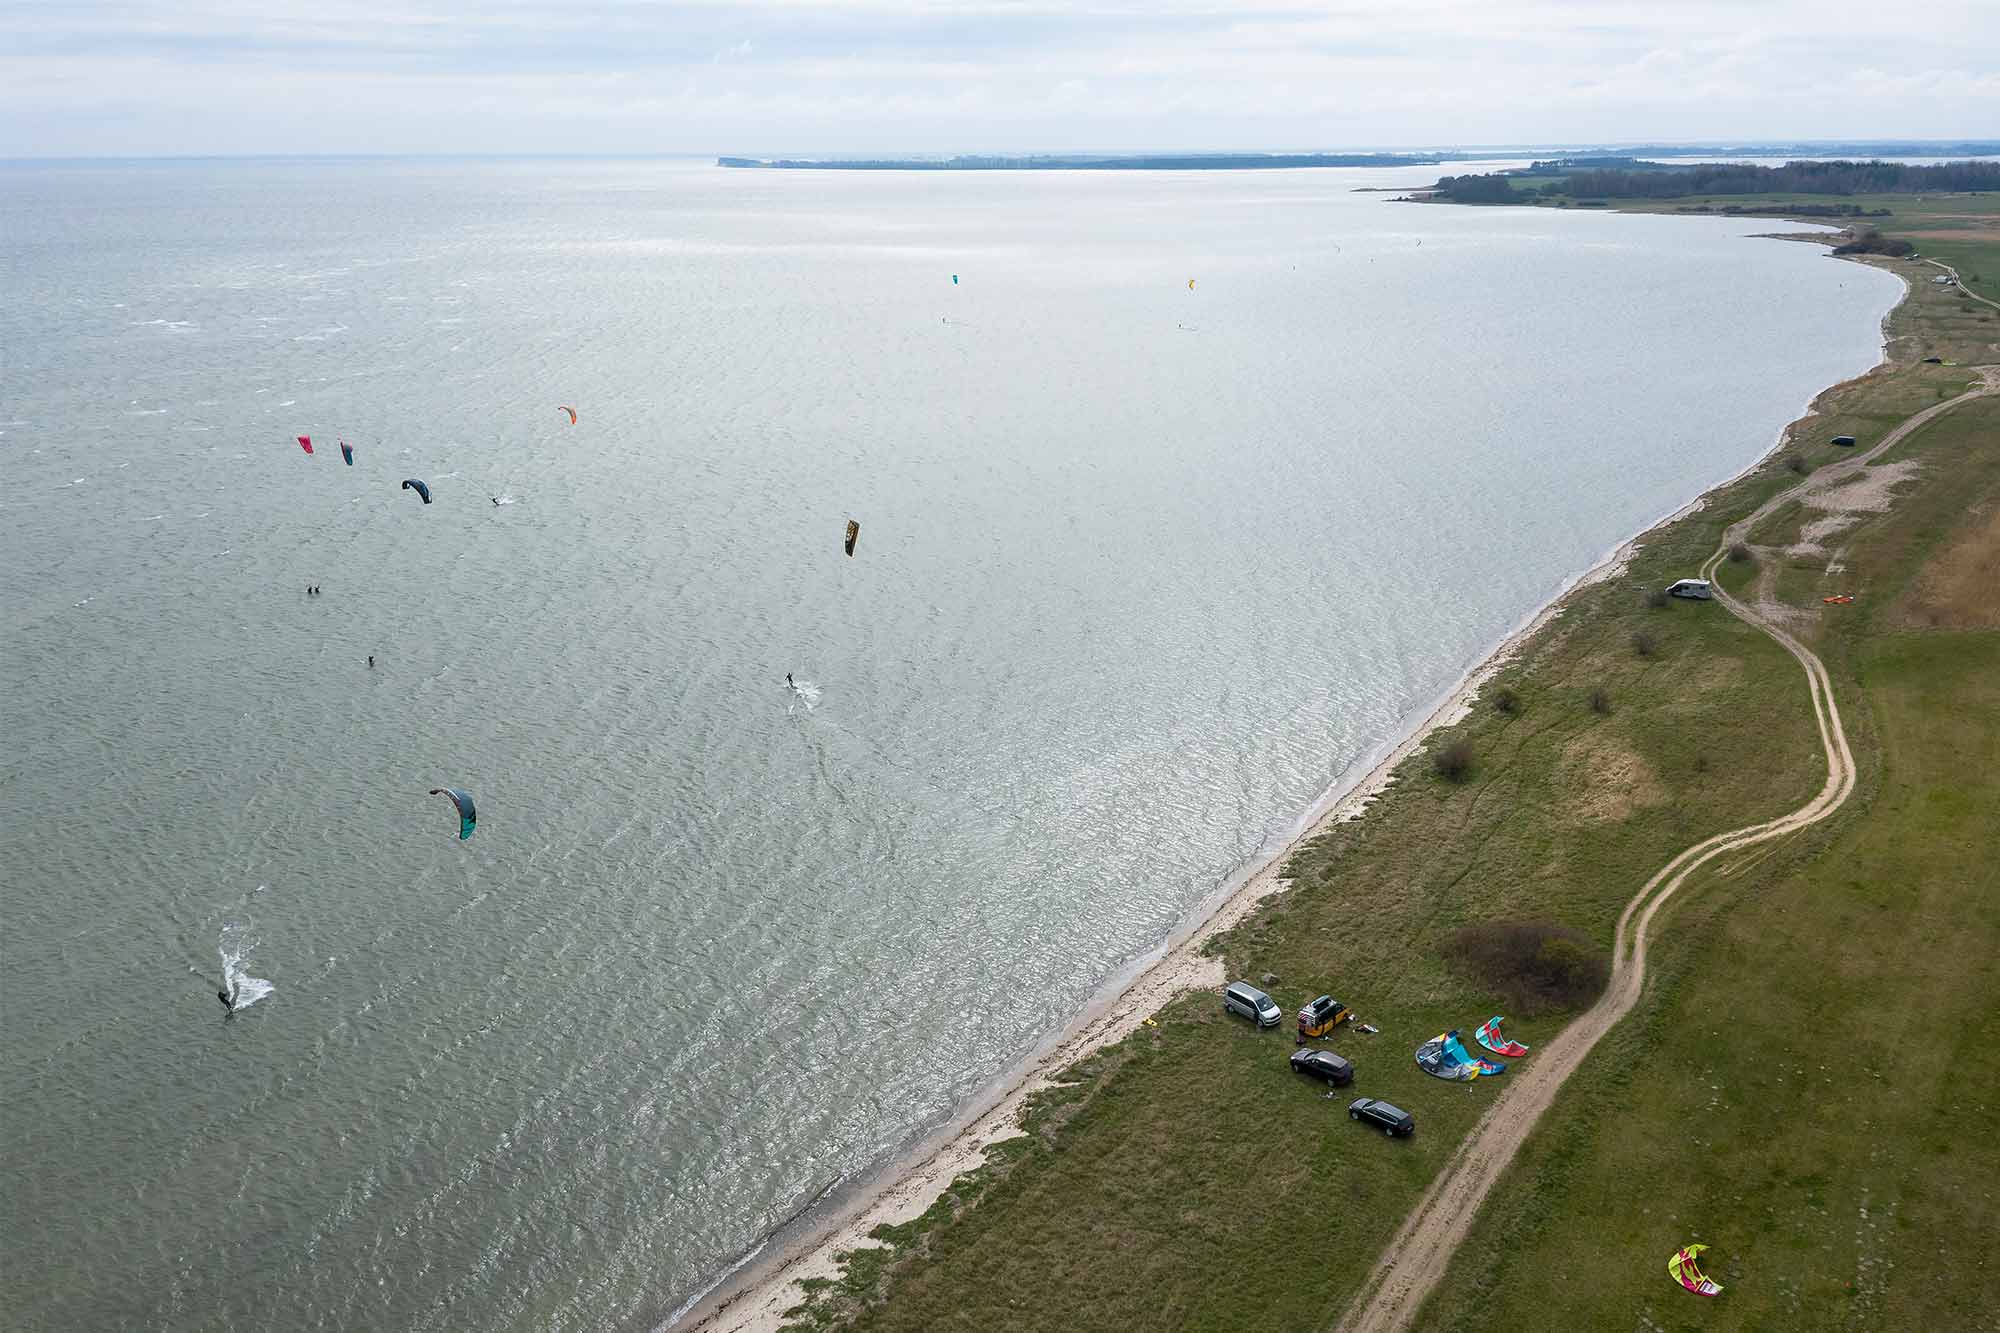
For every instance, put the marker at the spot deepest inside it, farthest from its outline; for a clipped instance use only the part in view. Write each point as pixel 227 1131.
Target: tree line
pixel 1655 182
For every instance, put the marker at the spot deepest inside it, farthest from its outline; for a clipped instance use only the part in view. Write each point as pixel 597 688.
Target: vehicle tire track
pixel 1422 1248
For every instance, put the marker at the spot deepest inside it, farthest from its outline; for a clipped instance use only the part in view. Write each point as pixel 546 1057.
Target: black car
pixel 1394 1122
pixel 1325 1065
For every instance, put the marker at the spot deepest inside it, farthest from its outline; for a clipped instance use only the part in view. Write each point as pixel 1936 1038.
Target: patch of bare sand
pixel 1960 589
pixel 1841 506
pixel 1612 780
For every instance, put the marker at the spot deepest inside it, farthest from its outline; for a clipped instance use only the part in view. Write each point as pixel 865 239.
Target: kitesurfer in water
pixel 788 681
pixel 228 998
pixel 371 659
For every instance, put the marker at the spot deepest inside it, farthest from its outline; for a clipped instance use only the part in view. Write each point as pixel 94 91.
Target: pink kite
pixel 305 443
pixel 1489 1036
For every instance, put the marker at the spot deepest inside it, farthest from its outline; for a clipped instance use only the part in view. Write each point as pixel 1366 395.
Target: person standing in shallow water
pixel 228 998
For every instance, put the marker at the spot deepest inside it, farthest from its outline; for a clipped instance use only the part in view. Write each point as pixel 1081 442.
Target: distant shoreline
pixel 1176 162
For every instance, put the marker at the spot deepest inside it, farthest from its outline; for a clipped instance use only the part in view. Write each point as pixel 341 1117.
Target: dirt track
pixel 1418 1255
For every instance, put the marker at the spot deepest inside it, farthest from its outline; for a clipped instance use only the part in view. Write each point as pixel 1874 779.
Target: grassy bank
pixel 1185 1178
pixel 1798 1094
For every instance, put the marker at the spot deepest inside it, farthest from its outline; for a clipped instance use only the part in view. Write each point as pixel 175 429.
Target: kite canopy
pixel 1489 1036
pixel 954 279
pixel 1443 1056
pixel 412 484
pixel 468 816
pixel 1688 1273
pixel 853 531
pixel 572 414
pixel 347 453
pixel 306 443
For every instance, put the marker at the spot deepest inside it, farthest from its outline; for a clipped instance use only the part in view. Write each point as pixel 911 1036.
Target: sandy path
pixel 1421 1250
pixel 1960 283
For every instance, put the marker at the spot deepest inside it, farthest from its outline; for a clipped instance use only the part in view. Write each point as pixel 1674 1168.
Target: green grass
pixel 1803 1095
pixel 1186 1179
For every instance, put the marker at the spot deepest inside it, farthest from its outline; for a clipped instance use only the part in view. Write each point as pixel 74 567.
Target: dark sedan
pixel 1393 1121
pixel 1323 1065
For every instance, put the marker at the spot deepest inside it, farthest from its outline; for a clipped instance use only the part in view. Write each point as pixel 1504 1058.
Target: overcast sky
pixel 85 77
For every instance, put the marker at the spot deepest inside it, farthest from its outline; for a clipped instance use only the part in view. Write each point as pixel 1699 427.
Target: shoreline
pixel 753 1295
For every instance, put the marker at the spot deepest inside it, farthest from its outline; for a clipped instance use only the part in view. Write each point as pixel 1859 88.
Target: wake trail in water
pixel 234 948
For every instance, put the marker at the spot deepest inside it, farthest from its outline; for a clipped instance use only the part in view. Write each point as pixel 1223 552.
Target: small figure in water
pixel 788 681
pixel 371 659
pixel 494 498
pixel 228 999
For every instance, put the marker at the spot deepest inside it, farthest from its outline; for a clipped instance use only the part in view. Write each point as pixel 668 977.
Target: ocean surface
pixel 1143 568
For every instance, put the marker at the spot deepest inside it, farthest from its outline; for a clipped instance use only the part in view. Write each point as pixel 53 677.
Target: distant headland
pixel 1175 162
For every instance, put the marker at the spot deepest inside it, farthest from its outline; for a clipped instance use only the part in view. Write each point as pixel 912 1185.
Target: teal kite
pixel 468 815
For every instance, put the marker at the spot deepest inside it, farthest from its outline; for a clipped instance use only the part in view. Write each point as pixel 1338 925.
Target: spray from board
pixel 235 947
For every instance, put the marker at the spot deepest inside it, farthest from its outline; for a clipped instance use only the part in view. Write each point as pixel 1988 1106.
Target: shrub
pixel 1797 463
pixel 1600 701
pixel 1645 644
pixel 1869 241
pixel 1453 762
pixel 1740 553
pixel 1657 598
pixel 1537 966
pixel 1506 701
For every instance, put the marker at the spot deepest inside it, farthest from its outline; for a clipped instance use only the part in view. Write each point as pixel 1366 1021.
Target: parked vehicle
pixel 1843 439
pixel 1393 1121
pixel 1324 1065
pixel 1698 589
pixel 1243 998
pixel 1322 1016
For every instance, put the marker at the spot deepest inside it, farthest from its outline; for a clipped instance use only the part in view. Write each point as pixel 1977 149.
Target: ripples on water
pixel 1141 571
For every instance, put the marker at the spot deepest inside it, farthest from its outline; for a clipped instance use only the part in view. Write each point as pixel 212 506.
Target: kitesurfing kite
pixel 412 484
pixel 954 279
pixel 306 443
pixel 1688 1273
pixel 1190 284
pixel 1489 1036
pixel 572 414
pixel 468 817
pixel 853 531
pixel 1443 1056
pixel 347 452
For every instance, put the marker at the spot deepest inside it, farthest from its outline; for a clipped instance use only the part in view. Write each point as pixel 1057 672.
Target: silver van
pixel 1698 589
pixel 1240 997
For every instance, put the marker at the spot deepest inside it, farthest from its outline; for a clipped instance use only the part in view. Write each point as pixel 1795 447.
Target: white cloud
pixel 221 76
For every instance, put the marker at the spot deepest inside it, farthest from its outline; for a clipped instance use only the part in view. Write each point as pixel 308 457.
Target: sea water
pixel 1143 567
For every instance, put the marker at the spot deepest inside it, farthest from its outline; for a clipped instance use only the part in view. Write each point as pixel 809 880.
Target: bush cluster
pixel 1536 965
pixel 1453 761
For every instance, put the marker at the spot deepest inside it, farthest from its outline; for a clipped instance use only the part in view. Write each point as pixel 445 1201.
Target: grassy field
pixel 1798 1095
pixel 1187 1179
